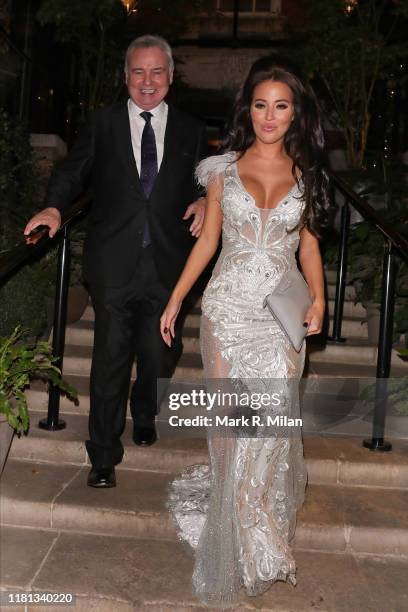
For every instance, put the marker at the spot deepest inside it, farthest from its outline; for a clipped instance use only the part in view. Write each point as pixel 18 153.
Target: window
pixel 263 5
pixel 250 6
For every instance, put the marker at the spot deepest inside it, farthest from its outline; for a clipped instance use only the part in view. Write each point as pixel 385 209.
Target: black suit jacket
pixel 103 156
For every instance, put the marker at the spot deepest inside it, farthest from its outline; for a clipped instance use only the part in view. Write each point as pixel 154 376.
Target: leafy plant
pixel 382 184
pixel 18 179
pixel 366 249
pixel 97 30
pixel 386 184
pixel 21 362
pixel 397 394
pixel 19 189
pixel 401 318
pixel 170 18
pixel 366 252
pixel 351 47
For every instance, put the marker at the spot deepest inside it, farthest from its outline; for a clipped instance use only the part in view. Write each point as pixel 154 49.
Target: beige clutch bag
pixel 289 303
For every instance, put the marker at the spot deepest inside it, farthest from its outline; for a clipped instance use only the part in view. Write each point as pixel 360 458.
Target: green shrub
pixel 22 297
pixel 22 361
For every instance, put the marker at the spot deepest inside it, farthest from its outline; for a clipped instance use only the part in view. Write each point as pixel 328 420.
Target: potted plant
pixel 366 249
pixel 401 306
pixel 397 396
pixel 366 260
pixel 20 362
pixel 397 400
pixel 403 353
pixel 78 296
pixel 385 184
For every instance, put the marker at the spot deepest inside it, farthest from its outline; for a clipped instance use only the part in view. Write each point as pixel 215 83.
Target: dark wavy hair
pixel 304 140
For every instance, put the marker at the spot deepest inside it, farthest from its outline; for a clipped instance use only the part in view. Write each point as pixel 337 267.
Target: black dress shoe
pixel 102 478
pixel 145 436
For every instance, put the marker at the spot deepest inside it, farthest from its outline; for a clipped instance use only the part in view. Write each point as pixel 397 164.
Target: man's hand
pixel 48 216
pixel 197 209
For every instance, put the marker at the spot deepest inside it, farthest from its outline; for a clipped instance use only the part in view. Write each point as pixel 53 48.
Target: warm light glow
pixel 349 6
pixel 130 6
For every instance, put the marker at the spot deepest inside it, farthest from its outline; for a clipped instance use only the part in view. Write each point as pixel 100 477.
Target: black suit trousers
pixel 127 328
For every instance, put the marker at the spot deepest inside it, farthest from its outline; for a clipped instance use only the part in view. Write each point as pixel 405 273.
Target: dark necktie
pixel 148 166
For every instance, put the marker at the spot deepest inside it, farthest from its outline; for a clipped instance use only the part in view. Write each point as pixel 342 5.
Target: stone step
pixel 330 406
pixel 334 518
pixel 82 333
pixel 349 293
pixel 330 275
pixel 77 361
pixel 358 351
pixel 330 460
pixel 123 574
pixel 355 350
pixel 350 310
pixel 77 358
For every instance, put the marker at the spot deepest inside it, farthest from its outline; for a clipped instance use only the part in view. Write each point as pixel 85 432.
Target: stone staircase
pixel 117 549
pixel 355 351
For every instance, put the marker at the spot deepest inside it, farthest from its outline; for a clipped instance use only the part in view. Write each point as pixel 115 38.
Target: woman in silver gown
pixel 265 194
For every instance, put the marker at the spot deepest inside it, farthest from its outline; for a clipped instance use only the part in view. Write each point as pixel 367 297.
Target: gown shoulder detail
pixel 212 168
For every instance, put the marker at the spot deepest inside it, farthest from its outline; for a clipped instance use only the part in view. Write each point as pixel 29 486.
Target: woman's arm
pixel 312 268
pixel 198 259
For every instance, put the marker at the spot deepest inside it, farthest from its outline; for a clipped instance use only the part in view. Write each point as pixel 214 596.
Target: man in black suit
pixel 139 158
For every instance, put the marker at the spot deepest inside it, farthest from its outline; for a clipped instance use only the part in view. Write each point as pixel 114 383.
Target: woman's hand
pixel 314 318
pixel 168 319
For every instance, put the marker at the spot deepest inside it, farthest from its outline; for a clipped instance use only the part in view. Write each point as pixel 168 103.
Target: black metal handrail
pixel 27 247
pixel 24 252
pixel 395 244
pixel 371 215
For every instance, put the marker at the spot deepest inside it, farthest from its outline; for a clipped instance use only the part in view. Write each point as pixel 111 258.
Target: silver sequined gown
pixel 239 513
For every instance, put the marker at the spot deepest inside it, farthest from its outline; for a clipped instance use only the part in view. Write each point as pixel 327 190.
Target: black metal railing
pixel 395 244
pixel 23 253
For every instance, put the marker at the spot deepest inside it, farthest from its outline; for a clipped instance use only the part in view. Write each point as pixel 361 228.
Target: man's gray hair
pixel 149 40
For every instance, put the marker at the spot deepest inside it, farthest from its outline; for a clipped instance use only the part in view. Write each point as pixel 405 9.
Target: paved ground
pixel 121 574
pixel 117 549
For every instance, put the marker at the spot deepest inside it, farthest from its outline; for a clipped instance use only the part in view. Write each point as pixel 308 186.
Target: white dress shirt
pixel 137 123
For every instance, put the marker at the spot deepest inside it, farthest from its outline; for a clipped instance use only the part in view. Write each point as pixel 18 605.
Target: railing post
pixel 52 422
pixel 341 274
pixel 235 22
pixel 26 69
pixel 377 441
